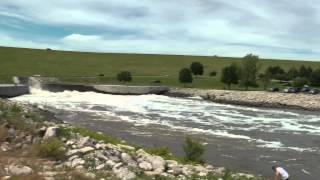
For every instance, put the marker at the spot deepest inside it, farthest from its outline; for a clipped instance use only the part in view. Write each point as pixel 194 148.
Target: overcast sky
pixel 272 29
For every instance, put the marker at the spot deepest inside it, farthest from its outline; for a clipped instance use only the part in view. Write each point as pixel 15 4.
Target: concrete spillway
pixel 12 90
pixel 107 89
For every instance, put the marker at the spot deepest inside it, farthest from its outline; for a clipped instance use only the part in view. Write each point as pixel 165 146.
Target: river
pixel 241 138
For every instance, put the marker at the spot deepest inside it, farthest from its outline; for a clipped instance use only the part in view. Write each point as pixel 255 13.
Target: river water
pixel 241 138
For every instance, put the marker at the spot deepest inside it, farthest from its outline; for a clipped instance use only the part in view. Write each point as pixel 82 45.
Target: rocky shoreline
pixel 91 154
pixel 253 98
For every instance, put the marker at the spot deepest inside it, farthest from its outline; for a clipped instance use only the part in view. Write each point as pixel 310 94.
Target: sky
pixel 282 29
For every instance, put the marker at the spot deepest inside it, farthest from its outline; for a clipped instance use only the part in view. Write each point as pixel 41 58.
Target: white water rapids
pixel 193 115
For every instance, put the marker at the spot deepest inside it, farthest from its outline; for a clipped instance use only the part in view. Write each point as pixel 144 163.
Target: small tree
pixel 193 150
pixel 196 68
pixel 185 76
pixel 124 76
pixel 249 71
pixel 230 75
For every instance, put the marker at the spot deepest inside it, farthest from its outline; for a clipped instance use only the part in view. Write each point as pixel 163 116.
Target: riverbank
pixel 62 150
pixel 253 98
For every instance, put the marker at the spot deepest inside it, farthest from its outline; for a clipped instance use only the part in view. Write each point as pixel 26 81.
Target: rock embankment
pixel 254 98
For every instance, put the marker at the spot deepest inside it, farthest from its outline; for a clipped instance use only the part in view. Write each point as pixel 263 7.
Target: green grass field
pixel 145 68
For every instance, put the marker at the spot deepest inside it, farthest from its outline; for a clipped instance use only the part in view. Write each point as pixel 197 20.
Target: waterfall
pixel 34 84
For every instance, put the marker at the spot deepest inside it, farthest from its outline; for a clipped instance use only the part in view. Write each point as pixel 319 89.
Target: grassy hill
pixel 145 68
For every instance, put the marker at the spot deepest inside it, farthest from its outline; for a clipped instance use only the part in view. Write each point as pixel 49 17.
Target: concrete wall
pixel 134 90
pixel 11 90
pixel 107 89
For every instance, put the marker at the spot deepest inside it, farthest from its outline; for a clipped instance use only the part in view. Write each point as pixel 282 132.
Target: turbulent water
pixel 250 139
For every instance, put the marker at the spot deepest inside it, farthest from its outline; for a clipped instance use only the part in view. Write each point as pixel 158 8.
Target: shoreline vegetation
pixel 36 145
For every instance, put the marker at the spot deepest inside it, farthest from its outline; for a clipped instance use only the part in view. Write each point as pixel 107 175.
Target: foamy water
pixel 188 114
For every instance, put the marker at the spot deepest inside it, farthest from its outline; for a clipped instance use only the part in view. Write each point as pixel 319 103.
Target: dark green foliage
pixel 213 73
pixel 292 73
pixel 265 79
pixel 196 68
pixel 124 76
pixel 315 78
pixel 193 150
pixel 249 71
pixel 52 148
pixel 275 72
pixel 230 75
pixel 160 151
pixel 305 71
pixel 185 76
pixel 300 82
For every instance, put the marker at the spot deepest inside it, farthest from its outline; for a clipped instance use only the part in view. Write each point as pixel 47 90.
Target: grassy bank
pixel 145 68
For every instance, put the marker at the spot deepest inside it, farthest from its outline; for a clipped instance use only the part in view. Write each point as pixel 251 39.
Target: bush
pixel 213 73
pixel 52 148
pixel 300 82
pixel 193 151
pixel 124 76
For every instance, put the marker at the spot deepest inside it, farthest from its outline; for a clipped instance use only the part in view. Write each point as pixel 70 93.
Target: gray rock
pixel 101 166
pixel 19 170
pixel 84 141
pixel 86 150
pixel 124 173
pixel 77 162
pixel 110 163
pixel 145 166
pixel 51 132
pixel 73 152
pixel 126 147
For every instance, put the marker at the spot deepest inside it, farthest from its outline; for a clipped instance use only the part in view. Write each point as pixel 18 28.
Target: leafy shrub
pixel 52 148
pixel 193 151
pixel 300 82
pixel 213 73
pixel 124 76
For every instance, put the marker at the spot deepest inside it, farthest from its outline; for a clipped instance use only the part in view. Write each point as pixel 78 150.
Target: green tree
pixel 193 150
pixel 315 78
pixel 305 71
pixel 185 76
pixel 275 72
pixel 249 71
pixel 266 80
pixel 196 68
pixel 124 76
pixel 230 75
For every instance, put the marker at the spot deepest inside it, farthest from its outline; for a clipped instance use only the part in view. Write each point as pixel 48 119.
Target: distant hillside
pixel 24 62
